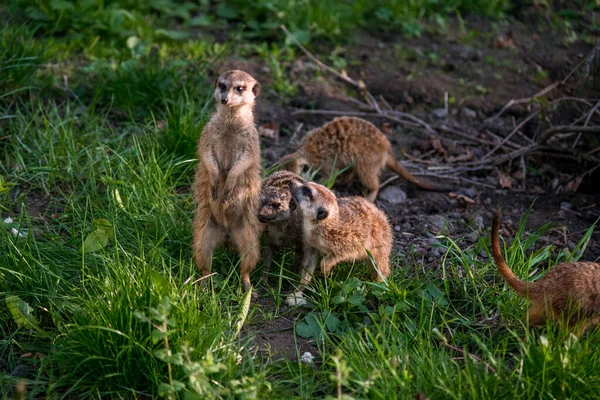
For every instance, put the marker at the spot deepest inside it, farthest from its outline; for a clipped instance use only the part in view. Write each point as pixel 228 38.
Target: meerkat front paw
pixel 296 299
pixel 226 194
pixel 214 191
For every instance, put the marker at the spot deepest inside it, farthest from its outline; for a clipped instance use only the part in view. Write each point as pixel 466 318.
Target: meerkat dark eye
pixel 276 205
pixel 240 89
pixel 222 87
pixel 306 192
pixel 322 213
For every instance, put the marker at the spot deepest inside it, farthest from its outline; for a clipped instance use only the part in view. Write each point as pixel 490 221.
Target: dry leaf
pixel 437 145
pixel 574 184
pixel 461 197
pixel 505 181
pixel 505 42
pixel 269 130
pixel 386 128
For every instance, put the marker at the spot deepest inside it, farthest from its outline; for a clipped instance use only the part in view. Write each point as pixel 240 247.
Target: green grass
pixel 98 295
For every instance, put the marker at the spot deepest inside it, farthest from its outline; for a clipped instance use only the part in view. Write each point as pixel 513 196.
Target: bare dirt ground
pixel 479 75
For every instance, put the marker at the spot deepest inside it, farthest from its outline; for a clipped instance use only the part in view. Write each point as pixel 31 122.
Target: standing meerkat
pixel 344 141
pixel 227 182
pixel 342 229
pixel 569 292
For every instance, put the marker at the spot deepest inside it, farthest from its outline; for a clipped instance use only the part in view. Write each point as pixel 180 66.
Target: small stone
pixel 407 227
pixel 439 113
pixel 469 192
pixel 565 205
pixel 397 228
pixel 487 201
pixel 467 113
pixel 8 220
pixel 393 195
pixel 437 222
pixel 472 237
pixel 307 358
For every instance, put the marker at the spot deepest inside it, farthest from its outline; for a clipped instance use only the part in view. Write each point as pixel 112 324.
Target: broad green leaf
pixel 22 313
pixel 243 312
pixel 332 322
pixel 309 327
pixel 200 20
pixel 173 35
pixel 95 241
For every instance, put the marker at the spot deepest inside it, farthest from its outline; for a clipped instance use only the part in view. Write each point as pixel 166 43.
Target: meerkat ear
pixel 256 89
pixel 322 213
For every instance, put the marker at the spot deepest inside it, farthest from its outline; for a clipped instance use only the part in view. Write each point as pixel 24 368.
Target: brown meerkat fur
pixel 347 140
pixel 283 220
pixel 227 182
pixel 342 229
pixel 569 292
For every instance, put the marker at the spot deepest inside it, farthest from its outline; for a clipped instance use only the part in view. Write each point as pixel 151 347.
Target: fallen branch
pixel 568 129
pixel 357 114
pixel 510 135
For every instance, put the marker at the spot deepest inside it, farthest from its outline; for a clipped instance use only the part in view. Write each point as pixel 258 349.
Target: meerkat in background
pixel 341 229
pixel 283 221
pixel 569 292
pixel 344 141
pixel 227 182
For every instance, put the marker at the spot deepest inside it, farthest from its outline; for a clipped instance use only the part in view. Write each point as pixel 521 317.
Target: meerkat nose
pixel 223 101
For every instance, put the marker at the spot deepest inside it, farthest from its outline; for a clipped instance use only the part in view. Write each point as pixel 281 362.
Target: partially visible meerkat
pixel 227 182
pixel 569 292
pixel 283 221
pixel 348 140
pixel 342 229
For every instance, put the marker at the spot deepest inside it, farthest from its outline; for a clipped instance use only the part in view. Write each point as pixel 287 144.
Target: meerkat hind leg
pixel 208 235
pixel 246 239
pixel 370 179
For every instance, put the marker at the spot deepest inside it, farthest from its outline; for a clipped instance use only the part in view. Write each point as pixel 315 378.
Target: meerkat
pixel 227 182
pixel 283 224
pixel 354 143
pixel 569 292
pixel 341 229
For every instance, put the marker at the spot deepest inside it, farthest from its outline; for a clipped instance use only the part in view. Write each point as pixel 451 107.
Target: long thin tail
pixel 292 162
pixel 509 276
pixel 394 165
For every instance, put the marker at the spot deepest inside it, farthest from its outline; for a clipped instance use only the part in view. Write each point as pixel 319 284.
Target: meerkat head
pixel 236 88
pixel 274 204
pixel 315 202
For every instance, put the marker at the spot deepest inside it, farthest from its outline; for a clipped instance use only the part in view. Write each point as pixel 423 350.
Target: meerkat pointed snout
pixel 227 182
pixel 236 88
pixel 344 229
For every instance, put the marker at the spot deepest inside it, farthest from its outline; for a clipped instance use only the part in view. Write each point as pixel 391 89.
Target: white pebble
pixel 296 299
pixel 8 220
pixel 307 358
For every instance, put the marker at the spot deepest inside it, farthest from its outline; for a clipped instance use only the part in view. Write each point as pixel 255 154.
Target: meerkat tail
pixel 292 162
pixel 395 166
pixel 509 276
